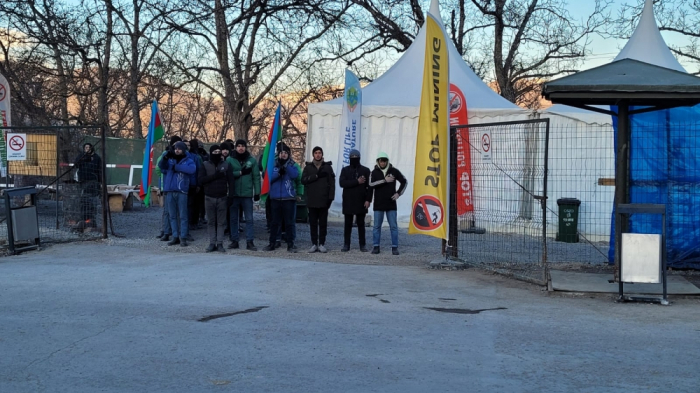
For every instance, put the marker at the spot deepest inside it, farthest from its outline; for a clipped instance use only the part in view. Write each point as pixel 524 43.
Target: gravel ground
pixel 139 228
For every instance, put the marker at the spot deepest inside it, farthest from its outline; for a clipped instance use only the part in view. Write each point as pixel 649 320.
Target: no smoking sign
pixel 486 146
pixel 17 147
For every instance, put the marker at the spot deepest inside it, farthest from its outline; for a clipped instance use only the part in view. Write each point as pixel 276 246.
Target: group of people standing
pixel 229 179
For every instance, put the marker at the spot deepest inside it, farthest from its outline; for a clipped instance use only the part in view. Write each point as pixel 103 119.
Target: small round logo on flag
pixel 428 213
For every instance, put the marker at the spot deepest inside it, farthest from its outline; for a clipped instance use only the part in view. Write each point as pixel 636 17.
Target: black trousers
pixel 192 207
pixel 349 222
pixel 318 224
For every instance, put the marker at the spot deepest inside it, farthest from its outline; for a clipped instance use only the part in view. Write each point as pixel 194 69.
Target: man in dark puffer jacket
pixel 318 179
pixel 383 186
pixel 354 180
pixel 216 176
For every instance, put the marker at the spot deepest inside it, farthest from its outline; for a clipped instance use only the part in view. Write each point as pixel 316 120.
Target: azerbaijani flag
pixel 155 133
pixel 268 160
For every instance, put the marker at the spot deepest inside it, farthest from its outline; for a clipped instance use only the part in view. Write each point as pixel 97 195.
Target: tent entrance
pixel 503 227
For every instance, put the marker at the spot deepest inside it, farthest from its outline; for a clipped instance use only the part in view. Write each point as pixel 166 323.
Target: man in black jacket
pixel 354 180
pixel 383 186
pixel 89 167
pixel 216 176
pixel 319 181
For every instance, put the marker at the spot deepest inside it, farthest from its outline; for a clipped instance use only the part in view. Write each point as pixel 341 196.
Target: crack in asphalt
pixel 463 310
pixel 230 314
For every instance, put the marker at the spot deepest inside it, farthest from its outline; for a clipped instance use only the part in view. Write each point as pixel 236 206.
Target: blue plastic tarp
pixel 665 169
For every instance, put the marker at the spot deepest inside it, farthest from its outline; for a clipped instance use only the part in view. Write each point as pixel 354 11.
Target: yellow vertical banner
pixel 430 207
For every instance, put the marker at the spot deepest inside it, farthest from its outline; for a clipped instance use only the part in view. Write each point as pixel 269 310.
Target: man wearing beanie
pixel 246 188
pixel 216 176
pixel 195 188
pixel 319 180
pixel 282 197
pixel 226 148
pixel 165 231
pixel 177 167
pixel 382 184
pixel 354 180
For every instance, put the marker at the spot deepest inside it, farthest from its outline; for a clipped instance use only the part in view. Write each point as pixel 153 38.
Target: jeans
pixel 280 209
pixel 177 209
pixel 165 226
pixel 377 231
pixel 245 204
pixel 216 209
pixel 347 233
pixel 318 217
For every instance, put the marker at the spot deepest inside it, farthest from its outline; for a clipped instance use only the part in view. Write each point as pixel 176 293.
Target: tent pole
pixel 621 181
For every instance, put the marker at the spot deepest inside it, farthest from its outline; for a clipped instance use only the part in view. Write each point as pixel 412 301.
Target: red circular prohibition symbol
pixel 3 92
pixel 16 143
pixel 486 142
pixel 428 213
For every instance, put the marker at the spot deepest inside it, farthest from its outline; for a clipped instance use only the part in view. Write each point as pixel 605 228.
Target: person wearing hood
pixel 318 179
pixel 202 155
pixel 216 177
pixel 282 197
pixel 178 168
pixel 192 206
pixel 226 148
pixel 354 180
pixel 246 189
pixel 166 230
pixel 89 166
pixel 382 186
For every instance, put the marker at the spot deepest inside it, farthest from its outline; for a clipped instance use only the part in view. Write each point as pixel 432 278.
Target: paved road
pixel 91 317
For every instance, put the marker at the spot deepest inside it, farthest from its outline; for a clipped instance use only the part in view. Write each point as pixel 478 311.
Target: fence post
pixel 543 201
pixel 452 191
pixel 105 203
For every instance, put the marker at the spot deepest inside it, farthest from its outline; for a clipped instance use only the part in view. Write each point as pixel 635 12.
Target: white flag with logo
pixel 349 124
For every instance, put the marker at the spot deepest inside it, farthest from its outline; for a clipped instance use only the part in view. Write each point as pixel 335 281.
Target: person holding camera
pixel 216 176
pixel 178 168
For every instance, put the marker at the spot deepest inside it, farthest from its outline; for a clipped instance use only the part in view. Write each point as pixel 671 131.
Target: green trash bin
pixel 568 220
pixel 302 211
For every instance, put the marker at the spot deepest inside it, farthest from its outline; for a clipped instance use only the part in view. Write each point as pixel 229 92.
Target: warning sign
pixel 428 213
pixel 16 147
pixel 486 146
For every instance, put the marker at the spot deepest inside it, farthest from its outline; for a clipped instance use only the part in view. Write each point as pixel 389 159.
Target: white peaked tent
pixel 390 114
pixel 574 147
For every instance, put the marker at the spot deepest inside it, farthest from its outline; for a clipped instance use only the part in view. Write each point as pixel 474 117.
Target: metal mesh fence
pixel 69 182
pixel 504 232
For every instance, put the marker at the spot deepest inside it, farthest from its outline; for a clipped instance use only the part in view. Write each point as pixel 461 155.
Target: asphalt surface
pixel 97 317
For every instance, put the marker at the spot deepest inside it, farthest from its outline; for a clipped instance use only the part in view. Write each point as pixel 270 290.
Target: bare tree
pixel 242 50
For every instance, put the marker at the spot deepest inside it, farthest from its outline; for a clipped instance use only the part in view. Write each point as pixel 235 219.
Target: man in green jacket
pixel 246 188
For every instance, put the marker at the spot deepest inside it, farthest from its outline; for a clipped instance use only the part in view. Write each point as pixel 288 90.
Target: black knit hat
pixel 241 142
pixel 174 139
pixel 226 146
pixel 281 146
pixel 317 148
pixel 214 147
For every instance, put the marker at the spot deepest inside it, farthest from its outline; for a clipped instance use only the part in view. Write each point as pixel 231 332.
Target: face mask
pixel 354 161
pixel 215 157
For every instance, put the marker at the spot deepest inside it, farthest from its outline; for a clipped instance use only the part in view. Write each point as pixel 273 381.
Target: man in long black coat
pixel 354 180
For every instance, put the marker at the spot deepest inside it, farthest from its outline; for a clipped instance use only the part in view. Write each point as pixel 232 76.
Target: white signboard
pixel 485 145
pixel 16 147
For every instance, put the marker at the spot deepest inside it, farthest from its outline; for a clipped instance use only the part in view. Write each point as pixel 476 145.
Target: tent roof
pixel 644 73
pixel 400 86
pixel 647 45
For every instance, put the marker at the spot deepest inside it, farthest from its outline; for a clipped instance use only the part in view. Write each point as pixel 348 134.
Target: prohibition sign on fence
pixel 428 213
pixel 16 143
pixel 455 102
pixel 486 143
